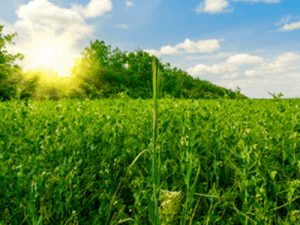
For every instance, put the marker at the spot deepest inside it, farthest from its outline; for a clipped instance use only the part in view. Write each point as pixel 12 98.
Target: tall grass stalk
pixel 155 153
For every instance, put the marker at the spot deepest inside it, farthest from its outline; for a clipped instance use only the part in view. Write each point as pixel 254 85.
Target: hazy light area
pixel 51 53
pixel 50 36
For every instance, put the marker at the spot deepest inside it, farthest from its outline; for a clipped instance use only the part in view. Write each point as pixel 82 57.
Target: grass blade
pixel 155 154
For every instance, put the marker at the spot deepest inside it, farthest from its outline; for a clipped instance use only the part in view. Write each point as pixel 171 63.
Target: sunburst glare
pixel 49 52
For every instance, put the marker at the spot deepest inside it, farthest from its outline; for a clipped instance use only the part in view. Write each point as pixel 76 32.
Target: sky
pixel 248 44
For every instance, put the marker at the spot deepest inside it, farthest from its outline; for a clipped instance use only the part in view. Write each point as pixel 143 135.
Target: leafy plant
pixel 88 162
pixel 10 72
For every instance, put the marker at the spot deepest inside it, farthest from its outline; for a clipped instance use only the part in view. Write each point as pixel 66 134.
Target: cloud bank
pixel 255 75
pixel 188 46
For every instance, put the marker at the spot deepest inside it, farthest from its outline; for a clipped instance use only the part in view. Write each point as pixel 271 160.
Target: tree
pixel 105 72
pixel 276 96
pixel 101 70
pixel 10 72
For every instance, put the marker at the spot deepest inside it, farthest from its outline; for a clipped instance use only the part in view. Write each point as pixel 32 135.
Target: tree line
pixel 101 72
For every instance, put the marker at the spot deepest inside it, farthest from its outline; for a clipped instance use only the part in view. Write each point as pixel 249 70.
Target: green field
pixel 89 162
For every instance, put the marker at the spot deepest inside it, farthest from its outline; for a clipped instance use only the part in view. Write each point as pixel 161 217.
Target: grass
pixel 154 212
pixel 88 162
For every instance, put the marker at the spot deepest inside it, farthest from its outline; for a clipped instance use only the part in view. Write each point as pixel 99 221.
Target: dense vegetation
pixel 12 82
pixel 87 162
pixel 101 72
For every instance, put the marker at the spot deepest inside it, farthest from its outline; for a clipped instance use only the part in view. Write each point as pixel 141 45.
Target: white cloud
pixel 223 6
pixel 202 46
pixel 129 3
pixel 255 75
pixel 290 26
pixel 250 65
pixel 188 46
pixel 213 6
pixel 244 59
pixel 230 68
pixel 225 69
pixel 283 64
pixel 153 52
pixel 168 50
pixel 49 35
pixel 94 8
pixel 33 19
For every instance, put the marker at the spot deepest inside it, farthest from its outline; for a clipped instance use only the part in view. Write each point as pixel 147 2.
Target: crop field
pixel 89 162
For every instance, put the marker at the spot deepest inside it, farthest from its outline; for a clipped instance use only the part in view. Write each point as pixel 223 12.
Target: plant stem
pixel 155 157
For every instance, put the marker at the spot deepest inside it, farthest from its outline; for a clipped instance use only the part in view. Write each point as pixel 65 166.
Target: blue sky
pixel 251 44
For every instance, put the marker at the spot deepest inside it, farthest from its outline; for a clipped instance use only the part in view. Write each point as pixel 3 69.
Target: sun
pixel 49 52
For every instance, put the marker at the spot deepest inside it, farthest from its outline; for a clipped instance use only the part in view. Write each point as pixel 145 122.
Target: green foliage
pixel 27 86
pixel 87 162
pixel 276 96
pixel 10 72
pixel 99 71
pixel 104 72
pixel 47 84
